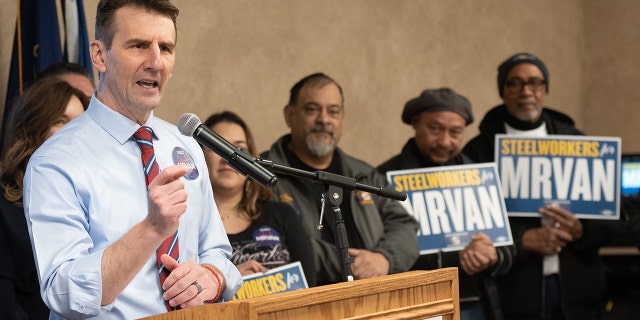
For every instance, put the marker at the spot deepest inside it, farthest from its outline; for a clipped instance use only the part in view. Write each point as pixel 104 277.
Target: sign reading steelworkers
pixel 580 172
pixel 281 279
pixel 453 203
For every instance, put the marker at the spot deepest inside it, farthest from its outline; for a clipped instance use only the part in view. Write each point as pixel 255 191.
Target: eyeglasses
pixel 517 84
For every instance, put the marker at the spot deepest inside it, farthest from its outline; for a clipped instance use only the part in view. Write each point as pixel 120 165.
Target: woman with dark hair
pixel 45 107
pixel 263 234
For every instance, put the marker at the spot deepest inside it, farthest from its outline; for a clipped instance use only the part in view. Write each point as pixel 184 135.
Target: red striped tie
pixel 144 139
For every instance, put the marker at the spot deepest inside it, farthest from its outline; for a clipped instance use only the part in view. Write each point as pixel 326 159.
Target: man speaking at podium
pixel 118 203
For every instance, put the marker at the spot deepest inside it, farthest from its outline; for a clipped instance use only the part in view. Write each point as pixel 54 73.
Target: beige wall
pixel 244 55
pixel 611 71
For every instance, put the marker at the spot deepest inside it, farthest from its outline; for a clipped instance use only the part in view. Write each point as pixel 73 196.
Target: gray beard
pixel 320 149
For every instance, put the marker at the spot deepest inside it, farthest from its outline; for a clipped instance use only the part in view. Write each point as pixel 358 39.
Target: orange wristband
pixel 217 276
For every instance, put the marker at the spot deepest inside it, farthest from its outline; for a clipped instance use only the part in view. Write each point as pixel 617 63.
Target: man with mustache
pixel 557 272
pixel 381 234
pixel 439 117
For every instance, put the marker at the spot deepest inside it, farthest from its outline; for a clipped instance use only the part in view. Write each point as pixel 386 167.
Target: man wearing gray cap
pixel 557 273
pixel 439 117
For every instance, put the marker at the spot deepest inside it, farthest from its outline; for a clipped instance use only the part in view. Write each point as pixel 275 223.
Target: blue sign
pixel 453 203
pixel 281 279
pixel 581 173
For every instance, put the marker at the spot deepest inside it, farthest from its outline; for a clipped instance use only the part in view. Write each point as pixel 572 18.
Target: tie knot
pixel 144 133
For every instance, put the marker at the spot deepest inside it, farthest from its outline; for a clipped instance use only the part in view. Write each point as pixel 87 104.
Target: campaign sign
pixel 452 203
pixel 281 279
pixel 580 173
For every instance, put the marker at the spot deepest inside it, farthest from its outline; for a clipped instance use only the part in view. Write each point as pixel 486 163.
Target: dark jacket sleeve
pixel 298 242
pixel 399 242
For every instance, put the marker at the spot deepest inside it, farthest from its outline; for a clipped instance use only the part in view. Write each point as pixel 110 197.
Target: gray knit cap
pixel 442 99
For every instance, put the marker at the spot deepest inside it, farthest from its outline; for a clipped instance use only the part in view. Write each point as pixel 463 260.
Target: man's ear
pixel 98 50
pixel 414 122
pixel 287 111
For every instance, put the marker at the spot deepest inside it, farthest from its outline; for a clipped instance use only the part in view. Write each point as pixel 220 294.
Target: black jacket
pixel 481 148
pixel 581 273
pixel 19 287
pixel 410 158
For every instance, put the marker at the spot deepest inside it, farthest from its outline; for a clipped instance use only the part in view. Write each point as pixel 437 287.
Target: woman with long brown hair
pixel 44 108
pixel 263 234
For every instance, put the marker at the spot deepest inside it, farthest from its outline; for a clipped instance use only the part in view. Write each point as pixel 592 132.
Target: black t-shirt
pixel 275 239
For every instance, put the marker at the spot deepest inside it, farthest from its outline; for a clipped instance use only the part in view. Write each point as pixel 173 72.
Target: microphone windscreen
pixel 188 123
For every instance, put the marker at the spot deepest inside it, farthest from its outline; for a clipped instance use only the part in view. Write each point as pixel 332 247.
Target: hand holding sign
pixel 478 255
pixel 549 239
pixel 250 267
pixel 563 220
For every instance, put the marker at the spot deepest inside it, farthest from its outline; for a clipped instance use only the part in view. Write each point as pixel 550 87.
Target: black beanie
pixel 518 58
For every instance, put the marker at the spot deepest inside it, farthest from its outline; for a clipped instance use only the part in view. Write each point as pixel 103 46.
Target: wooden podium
pixel 409 295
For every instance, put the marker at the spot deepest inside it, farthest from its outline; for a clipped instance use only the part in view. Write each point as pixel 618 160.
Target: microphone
pixel 239 159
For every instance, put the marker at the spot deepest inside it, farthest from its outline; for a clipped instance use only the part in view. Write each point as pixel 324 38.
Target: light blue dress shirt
pixel 85 188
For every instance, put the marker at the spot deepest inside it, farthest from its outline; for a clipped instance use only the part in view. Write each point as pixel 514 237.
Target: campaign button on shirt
pixel 266 236
pixel 181 156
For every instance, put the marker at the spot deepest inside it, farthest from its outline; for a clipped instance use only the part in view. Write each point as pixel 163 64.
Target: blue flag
pixel 37 44
pixel 77 36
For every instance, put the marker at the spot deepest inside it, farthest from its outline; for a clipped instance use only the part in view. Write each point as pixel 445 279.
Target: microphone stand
pixel 333 191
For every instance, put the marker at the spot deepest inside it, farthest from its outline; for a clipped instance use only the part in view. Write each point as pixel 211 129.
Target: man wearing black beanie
pixel 557 272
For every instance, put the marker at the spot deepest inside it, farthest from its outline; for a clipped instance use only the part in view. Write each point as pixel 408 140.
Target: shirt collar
pixel 115 124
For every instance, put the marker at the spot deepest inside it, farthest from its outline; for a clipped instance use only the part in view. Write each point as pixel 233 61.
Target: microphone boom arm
pixel 332 179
